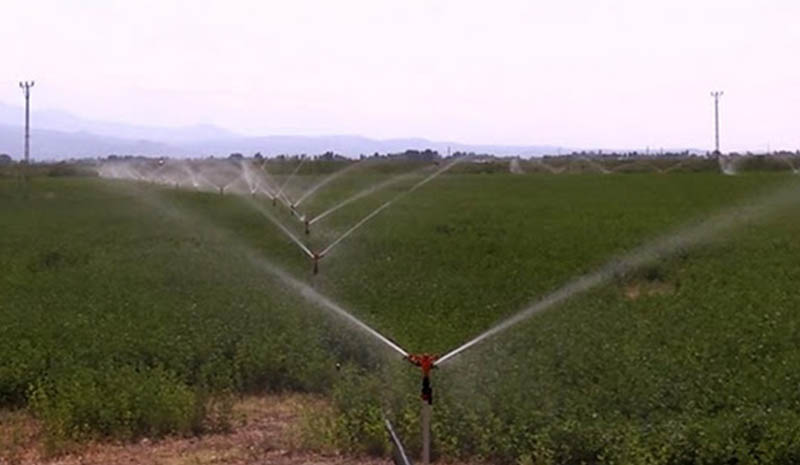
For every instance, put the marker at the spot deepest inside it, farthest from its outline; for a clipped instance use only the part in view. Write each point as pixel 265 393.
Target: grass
pixel 125 309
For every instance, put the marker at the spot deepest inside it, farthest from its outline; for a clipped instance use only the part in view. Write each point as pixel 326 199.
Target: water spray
pixel 390 202
pixel 649 252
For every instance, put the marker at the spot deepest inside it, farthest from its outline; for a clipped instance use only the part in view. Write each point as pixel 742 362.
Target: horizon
pixel 572 75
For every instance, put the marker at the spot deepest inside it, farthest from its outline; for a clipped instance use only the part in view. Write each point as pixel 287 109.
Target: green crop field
pixel 127 309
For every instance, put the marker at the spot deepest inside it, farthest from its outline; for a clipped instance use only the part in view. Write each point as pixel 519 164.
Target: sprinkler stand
pixel 426 364
pixel 316 257
pixel 308 231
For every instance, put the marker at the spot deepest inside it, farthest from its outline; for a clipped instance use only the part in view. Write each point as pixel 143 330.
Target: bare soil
pixel 264 431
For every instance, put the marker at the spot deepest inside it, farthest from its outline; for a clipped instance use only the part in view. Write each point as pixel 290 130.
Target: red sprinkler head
pixel 426 362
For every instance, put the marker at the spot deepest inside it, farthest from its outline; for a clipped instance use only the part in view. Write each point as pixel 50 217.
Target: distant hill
pixel 60 135
pixel 56 145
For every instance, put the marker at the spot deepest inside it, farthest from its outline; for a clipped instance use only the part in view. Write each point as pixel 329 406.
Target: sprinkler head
pixel 316 257
pixel 426 364
pixel 307 224
pixel 274 202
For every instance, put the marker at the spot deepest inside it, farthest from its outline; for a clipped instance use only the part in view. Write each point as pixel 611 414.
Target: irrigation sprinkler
pixel 307 223
pixel 316 257
pixel 426 362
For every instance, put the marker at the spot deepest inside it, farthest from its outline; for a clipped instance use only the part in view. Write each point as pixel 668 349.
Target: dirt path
pixel 263 432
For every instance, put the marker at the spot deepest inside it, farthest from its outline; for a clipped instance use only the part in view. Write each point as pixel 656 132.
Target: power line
pixel 26 89
pixel 716 95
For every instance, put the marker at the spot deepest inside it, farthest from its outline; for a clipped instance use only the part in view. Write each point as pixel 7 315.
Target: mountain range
pixel 57 135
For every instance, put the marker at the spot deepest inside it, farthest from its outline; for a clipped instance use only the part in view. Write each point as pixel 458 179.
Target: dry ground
pixel 264 431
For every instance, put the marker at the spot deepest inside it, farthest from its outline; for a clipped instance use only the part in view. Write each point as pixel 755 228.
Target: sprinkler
pixel 221 190
pixel 316 257
pixel 274 202
pixel 426 362
pixel 308 231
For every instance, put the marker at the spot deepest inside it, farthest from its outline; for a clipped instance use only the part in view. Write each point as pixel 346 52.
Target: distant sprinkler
pixel 716 95
pixel 316 257
pixel 307 224
pixel 221 190
pixel 274 202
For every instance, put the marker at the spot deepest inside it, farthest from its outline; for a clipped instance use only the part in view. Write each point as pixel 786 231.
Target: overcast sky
pixel 588 73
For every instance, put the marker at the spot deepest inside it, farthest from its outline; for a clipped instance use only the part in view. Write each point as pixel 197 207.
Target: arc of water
pixel 550 168
pixel 640 256
pixel 280 225
pixel 314 296
pixel 252 184
pixel 391 201
pixel 596 165
pixel 364 193
pixel 788 161
pixel 354 227
pixel 326 180
pixel 270 180
pixel 285 183
pixel 674 167
pixel 304 290
pixel 265 191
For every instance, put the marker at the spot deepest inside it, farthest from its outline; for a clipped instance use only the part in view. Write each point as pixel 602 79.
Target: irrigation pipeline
pixel 389 202
pixel 647 253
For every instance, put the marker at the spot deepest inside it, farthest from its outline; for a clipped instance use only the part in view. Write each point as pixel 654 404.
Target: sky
pixel 574 73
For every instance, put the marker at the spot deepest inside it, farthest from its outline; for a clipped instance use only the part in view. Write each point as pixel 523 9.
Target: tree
pixel 5 159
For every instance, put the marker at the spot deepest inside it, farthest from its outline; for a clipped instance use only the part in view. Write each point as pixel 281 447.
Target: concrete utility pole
pixel 716 95
pixel 26 89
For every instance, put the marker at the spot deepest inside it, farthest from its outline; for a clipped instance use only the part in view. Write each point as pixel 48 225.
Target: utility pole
pixel 716 95
pixel 26 89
